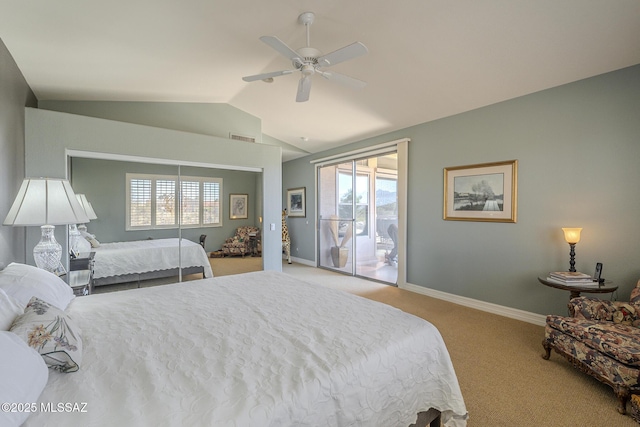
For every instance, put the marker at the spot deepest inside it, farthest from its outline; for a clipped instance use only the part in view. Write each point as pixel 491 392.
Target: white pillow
pixel 52 333
pixel 24 375
pixel 9 310
pixel 91 238
pixel 22 282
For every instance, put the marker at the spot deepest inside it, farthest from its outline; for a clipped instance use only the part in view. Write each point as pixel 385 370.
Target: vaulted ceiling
pixel 427 59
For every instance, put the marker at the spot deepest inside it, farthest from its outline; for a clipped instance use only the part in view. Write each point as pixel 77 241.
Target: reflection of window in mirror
pixel 152 201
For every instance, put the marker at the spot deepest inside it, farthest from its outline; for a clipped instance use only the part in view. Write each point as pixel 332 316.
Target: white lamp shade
pixel 86 205
pixel 45 201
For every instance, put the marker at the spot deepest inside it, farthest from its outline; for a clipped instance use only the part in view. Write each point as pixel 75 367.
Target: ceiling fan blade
pixel 343 54
pixel 342 79
pixel 281 47
pixel 266 75
pixel 304 88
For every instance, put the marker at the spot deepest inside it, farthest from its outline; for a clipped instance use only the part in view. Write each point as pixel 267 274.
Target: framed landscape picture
pixel 482 192
pixel 238 206
pixel 296 202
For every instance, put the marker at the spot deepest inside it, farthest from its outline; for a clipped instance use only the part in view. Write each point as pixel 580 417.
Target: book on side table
pixel 572 278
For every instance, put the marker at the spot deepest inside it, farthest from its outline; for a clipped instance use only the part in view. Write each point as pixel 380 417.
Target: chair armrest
pixel 590 308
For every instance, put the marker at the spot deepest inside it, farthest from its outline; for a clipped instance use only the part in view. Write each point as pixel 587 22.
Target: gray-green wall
pixel 15 94
pixel 104 184
pixel 578 148
pixel 206 119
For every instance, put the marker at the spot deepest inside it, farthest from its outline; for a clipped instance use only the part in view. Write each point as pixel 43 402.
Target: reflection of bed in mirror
pixel 139 260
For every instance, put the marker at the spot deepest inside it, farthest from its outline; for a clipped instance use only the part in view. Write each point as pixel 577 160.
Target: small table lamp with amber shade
pixel 572 236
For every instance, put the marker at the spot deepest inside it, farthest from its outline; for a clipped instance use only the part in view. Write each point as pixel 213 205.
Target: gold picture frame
pixel 483 192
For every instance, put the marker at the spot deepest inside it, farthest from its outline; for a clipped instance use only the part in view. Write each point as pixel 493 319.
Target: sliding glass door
pixel 336 217
pixel 358 217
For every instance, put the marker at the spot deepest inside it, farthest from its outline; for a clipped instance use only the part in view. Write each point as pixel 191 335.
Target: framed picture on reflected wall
pixel 482 192
pixel 296 202
pixel 238 206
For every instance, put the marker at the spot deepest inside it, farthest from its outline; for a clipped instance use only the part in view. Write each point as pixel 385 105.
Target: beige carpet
pixel 504 380
pixel 235 265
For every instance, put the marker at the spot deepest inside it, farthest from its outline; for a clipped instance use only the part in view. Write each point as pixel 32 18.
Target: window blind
pixel 165 202
pixel 190 203
pixel 140 202
pixel 152 201
pixel 211 202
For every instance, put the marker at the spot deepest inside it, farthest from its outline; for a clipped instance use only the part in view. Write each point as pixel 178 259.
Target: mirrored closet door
pixel 159 215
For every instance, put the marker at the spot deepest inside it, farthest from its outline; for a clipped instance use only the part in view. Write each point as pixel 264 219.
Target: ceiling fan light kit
pixel 309 60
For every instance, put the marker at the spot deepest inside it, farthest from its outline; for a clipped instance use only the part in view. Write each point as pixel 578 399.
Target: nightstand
pixel 80 275
pixel 84 261
pixel 81 281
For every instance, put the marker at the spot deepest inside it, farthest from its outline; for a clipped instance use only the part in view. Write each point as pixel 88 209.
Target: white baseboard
pixel 513 313
pixel 501 310
pixel 302 261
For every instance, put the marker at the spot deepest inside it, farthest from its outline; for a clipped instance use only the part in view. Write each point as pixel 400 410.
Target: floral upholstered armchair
pixel 602 339
pixel 240 243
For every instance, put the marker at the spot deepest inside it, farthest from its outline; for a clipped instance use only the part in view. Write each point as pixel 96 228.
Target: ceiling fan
pixel 310 61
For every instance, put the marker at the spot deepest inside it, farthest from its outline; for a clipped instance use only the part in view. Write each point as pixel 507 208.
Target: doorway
pixel 358 214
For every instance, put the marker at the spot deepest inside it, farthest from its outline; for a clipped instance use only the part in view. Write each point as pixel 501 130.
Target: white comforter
pixel 141 256
pixel 256 349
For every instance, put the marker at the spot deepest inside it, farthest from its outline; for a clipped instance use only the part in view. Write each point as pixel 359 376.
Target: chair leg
pixel 547 349
pixel 623 397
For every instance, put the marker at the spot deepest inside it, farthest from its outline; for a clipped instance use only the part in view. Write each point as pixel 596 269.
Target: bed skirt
pixel 138 277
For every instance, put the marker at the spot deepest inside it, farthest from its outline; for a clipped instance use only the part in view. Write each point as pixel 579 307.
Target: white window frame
pixel 178 179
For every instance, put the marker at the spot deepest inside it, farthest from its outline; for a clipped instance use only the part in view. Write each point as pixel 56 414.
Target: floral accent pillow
pixel 52 333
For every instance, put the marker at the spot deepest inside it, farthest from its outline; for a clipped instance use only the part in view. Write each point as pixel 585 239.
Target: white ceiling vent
pixel 242 137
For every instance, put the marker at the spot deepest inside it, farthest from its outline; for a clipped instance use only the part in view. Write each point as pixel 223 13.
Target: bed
pixel 138 260
pixel 254 349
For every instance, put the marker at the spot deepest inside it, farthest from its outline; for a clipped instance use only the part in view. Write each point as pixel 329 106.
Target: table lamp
pixel 86 206
pixel 46 202
pixel 77 242
pixel 572 236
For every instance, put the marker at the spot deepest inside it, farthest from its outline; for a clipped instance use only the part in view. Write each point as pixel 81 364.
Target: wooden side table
pixel 574 291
